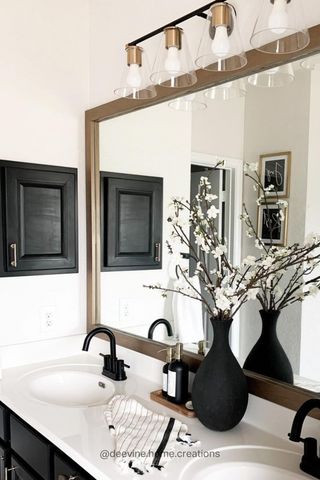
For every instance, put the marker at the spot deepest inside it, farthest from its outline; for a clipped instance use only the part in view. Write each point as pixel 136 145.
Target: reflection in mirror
pixel 160 141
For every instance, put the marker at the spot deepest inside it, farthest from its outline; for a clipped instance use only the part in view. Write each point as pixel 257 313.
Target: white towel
pixel 187 315
pixel 143 438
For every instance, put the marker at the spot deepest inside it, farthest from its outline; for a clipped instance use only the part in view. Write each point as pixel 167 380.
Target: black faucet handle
pixel 310 448
pixel 107 361
pixel 121 374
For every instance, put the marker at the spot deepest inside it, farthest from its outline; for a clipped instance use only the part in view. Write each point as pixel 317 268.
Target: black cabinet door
pixel 19 471
pixel 131 221
pixel 30 446
pixel 39 212
pixel 65 469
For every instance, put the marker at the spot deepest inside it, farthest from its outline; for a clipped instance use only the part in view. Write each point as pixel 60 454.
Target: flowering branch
pixel 286 267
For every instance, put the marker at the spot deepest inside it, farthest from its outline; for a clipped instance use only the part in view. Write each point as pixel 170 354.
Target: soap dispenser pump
pixel 169 358
pixel 178 377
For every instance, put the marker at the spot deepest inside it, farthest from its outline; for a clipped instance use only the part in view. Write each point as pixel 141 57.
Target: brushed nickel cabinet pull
pixel 158 252
pixel 6 470
pixel 14 248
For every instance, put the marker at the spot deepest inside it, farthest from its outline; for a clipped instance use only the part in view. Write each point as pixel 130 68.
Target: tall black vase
pixel 267 357
pixel 219 391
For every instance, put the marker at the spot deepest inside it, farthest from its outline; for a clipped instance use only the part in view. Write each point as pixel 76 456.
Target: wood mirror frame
pixel 278 392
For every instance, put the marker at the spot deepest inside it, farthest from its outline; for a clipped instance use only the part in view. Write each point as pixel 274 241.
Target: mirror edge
pixel 269 389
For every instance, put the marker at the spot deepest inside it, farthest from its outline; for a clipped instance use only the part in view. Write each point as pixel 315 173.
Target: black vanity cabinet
pixel 27 455
pixel 38 228
pixel 131 222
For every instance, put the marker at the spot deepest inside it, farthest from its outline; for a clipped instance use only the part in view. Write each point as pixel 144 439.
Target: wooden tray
pixel 158 397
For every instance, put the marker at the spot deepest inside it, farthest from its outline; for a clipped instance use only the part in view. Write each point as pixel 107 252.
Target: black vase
pixel 219 391
pixel 267 356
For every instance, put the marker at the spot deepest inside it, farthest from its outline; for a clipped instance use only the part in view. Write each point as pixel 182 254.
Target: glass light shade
pixel 275 77
pixel 173 66
pixel 311 63
pixel 280 27
pixel 221 48
pixel 189 103
pixel 135 79
pixel 227 91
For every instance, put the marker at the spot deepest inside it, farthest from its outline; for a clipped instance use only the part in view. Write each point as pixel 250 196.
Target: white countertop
pixel 82 432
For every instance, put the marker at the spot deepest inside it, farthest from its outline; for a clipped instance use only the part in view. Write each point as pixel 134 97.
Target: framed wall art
pixel 272 224
pixel 275 170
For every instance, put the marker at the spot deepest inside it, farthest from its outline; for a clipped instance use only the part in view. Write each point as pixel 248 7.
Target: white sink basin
pixel 246 463
pixel 71 386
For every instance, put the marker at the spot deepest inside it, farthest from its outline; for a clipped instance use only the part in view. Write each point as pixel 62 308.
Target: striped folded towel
pixel 144 439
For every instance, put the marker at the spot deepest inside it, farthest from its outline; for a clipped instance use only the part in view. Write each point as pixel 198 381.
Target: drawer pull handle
pixel 14 248
pixel 158 252
pixel 64 477
pixel 6 470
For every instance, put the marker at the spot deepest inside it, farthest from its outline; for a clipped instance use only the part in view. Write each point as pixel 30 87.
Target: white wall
pixel 129 145
pixel 219 129
pixel 43 95
pixel 284 127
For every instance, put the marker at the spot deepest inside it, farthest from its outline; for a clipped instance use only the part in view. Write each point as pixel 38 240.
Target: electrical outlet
pixel 125 309
pixel 48 319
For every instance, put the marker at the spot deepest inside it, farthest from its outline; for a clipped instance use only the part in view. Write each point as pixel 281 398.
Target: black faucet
pixel 158 322
pixel 310 462
pixel 113 368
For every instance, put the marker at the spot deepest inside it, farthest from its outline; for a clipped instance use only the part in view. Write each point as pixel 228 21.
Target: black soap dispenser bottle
pixel 169 358
pixel 178 377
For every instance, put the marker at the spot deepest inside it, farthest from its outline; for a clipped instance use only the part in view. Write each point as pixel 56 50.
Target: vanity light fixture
pixel 188 103
pixel 227 91
pixel 280 27
pixel 221 47
pixel 173 66
pixel 275 77
pixel 135 80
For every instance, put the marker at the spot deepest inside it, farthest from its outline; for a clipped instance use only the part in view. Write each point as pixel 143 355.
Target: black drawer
pixel 31 447
pixel 66 467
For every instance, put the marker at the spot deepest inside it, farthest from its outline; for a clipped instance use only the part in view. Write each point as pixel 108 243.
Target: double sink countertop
pixel 81 432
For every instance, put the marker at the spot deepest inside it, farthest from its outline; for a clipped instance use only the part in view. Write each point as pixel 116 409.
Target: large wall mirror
pixel 150 138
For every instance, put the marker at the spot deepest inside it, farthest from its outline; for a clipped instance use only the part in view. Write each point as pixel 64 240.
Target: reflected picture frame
pixel 275 169
pixel 267 211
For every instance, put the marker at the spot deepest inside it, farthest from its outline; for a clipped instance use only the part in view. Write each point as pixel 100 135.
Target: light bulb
pixel 279 18
pixel 172 63
pixel 221 43
pixel 134 78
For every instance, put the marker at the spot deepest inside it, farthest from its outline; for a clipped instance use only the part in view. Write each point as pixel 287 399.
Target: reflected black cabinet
pixel 131 221
pixel 38 208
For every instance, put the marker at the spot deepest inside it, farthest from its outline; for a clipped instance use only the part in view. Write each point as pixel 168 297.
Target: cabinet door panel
pixel 41 221
pixel 32 448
